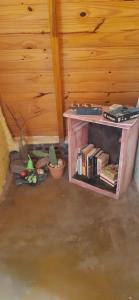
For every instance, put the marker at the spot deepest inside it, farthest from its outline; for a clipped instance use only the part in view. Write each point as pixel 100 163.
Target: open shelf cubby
pixel 96 182
pixel 118 140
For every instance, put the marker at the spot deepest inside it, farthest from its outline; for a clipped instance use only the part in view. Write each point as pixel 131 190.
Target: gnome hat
pixel 30 164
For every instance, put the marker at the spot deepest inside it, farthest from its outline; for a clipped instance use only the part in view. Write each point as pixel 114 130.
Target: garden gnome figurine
pixel 30 166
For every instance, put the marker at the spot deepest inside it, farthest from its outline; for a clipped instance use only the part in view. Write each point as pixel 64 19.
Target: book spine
pixel 83 165
pixel 93 166
pixel 89 173
pixel 77 165
pixel 94 162
pixel 80 164
pixel 98 166
pixel 87 165
pixel 84 159
pixel 108 174
pixel 108 182
pixel 101 164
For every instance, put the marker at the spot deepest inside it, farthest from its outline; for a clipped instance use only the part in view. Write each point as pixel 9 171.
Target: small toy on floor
pixel 30 175
pixel 20 181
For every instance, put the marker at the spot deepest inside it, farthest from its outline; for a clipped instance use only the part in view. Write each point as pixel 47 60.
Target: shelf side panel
pixel 127 158
pixel 77 138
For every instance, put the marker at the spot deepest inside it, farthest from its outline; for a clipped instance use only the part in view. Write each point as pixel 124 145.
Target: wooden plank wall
pixel 101 50
pixel 99 54
pixel 26 75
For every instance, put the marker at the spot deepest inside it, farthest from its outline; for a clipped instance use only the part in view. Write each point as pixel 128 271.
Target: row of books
pixel 91 160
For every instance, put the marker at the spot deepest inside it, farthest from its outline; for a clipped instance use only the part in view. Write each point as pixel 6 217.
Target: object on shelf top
pixel 116 112
pixel 120 115
pixel 115 107
pixel 86 105
pixel 87 109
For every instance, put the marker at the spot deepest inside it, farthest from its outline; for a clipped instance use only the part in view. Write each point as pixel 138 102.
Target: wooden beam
pixel 55 46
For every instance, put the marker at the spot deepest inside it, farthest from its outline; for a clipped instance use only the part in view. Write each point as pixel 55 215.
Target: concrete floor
pixel 61 242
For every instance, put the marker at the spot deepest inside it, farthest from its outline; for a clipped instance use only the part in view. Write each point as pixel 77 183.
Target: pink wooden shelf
pixel 99 119
pixel 78 136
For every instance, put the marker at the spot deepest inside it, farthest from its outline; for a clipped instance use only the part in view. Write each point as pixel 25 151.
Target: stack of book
pixel 91 160
pixel 109 174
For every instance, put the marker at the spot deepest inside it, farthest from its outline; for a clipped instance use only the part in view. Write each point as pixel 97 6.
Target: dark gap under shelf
pixel 97 182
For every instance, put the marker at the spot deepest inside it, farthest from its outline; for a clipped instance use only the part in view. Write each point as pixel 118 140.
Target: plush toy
pixel 30 166
pixel 32 178
pixel 23 174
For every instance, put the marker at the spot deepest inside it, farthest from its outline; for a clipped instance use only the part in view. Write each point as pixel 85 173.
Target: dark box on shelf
pixel 122 114
pixel 89 111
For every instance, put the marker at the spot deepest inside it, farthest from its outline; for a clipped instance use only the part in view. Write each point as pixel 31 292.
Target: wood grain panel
pixel 99 50
pixel 27 82
pixel 101 53
pixel 101 98
pixel 102 65
pixel 101 58
pixel 101 39
pixel 25 60
pixel 26 106
pixel 102 81
pixel 25 41
pixel 99 8
pixel 102 16
pixel 25 2
pixel 100 25
pixel 25 16
pixel 109 16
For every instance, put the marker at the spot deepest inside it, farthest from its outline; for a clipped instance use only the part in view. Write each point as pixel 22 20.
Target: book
pixel 89 163
pixel 84 153
pixel 102 161
pixel 79 160
pixel 108 182
pixel 79 164
pixel 93 161
pixel 96 156
pixel 110 172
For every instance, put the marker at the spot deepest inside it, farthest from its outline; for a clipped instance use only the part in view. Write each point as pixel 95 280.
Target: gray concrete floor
pixel 61 242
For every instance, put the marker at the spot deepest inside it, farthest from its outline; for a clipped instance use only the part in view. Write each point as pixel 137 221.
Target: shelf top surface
pixel 99 119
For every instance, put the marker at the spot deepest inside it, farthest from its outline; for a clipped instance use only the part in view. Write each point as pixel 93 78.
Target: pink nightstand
pixel 78 136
